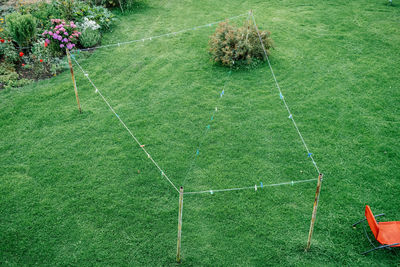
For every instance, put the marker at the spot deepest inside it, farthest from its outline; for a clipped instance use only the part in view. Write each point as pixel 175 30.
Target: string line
pixel 161 35
pixel 255 187
pixel 207 129
pixel 126 127
pixel 282 97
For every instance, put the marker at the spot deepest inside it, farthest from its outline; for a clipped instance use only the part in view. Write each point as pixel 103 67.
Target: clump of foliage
pixel 89 38
pixel 9 77
pixel 43 11
pixel 123 4
pixel 41 62
pixel 8 52
pixel 238 46
pixel 90 33
pixel 22 28
pixel 101 15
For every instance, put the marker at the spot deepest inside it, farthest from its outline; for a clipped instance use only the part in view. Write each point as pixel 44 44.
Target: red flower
pixel 41 60
pixel 46 44
pixel 2 40
pixel 23 65
pixel 21 54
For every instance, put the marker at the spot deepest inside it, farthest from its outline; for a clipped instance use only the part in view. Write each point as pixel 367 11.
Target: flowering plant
pixel 61 35
pixel 89 24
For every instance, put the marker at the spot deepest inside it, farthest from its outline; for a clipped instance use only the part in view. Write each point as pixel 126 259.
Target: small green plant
pixel 235 47
pixel 9 78
pixel 89 37
pixel 8 51
pixel 22 28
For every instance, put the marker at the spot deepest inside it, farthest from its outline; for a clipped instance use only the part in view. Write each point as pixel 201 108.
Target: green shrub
pixel 42 11
pixel 22 28
pixel 126 4
pixel 8 52
pixel 41 62
pixel 235 47
pixel 9 78
pixel 65 8
pixel 78 10
pixel 89 37
pixel 102 16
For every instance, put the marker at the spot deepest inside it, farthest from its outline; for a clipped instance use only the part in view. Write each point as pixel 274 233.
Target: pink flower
pixel 58 32
pixel 55 36
pixel 50 33
pixel 61 45
pixel 47 41
pixel 59 38
pixel 70 46
pixel 65 33
pixel 65 40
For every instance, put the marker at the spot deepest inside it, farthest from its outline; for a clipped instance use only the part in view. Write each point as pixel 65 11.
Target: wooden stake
pixel 314 214
pixel 121 6
pixel 73 80
pixel 178 246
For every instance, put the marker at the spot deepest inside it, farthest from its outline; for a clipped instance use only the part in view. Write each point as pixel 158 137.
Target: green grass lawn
pixel 77 190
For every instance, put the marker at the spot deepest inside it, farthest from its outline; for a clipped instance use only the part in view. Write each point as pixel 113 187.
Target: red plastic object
pixel 385 233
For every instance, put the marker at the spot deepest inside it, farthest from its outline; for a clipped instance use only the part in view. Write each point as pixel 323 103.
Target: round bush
pixel 235 47
pixel 89 37
pixel 22 28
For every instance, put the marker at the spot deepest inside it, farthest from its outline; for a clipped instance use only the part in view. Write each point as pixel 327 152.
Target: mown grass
pixel 76 190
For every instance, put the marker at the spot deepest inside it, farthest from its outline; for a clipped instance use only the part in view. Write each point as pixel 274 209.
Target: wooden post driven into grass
pixel 73 80
pixel 178 246
pixel 119 1
pixel 314 214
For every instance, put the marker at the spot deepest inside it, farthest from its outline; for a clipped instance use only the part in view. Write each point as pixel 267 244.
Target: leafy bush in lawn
pixel 234 47
pixel 22 28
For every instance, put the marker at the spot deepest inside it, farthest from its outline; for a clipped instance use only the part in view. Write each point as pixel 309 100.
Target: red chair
pixel 386 233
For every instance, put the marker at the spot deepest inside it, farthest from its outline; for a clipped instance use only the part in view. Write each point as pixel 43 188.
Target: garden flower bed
pixel 34 36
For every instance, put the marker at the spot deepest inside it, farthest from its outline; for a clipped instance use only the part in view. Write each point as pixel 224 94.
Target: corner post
pixel 314 214
pixel 178 246
pixel 73 80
